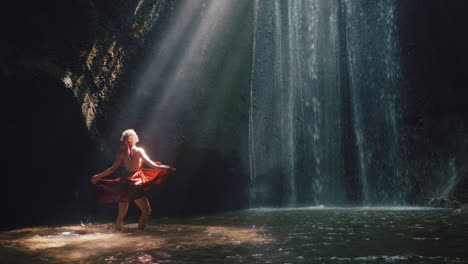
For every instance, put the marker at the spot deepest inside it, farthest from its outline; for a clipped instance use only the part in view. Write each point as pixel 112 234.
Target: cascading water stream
pixel 328 117
pixel 294 112
pixel 375 76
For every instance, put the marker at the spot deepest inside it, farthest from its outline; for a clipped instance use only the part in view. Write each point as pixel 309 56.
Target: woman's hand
pixel 167 167
pixel 94 179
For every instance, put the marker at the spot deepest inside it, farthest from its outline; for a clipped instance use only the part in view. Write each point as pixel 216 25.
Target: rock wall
pixel 91 46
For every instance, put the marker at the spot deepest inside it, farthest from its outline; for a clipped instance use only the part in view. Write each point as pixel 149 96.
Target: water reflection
pixel 88 242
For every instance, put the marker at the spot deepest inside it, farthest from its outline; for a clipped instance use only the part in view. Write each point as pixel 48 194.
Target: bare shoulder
pixel 140 150
pixel 142 153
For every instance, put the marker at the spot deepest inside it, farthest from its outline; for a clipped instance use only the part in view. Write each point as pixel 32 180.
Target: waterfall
pixel 325 107
pixel 375 82
pixel 329 117
pixel 294 120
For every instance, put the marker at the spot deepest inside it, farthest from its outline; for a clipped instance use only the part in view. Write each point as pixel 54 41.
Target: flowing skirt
pixel 132 186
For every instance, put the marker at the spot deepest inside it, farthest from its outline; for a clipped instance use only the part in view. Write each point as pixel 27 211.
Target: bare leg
pixel 123 208
pixel 145 208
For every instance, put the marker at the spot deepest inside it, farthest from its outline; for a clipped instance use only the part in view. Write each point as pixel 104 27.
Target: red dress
pixel 131 186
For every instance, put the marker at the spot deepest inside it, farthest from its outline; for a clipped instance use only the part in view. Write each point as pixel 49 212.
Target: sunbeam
pixel 190 75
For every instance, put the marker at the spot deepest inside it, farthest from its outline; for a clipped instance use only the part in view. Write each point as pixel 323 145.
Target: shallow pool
pixel 300 235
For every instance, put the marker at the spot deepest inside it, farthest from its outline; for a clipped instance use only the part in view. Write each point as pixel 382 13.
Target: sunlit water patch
pixel 265 235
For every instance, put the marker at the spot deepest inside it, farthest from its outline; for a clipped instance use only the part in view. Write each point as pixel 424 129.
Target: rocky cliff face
pixel 91 46
pixel 108 63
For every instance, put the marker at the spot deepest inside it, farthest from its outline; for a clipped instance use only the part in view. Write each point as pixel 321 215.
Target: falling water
pixel 375 76
pixel 325 98
pixel 452 181
pixel 294 126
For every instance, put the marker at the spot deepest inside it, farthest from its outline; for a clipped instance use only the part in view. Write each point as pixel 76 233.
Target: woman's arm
pixel 156 165
pixel 109 170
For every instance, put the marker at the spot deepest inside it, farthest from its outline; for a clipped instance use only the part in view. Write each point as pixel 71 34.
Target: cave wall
pixel 91 46
pixel 435 61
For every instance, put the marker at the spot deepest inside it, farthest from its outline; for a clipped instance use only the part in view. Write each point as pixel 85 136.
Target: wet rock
pixel 444 202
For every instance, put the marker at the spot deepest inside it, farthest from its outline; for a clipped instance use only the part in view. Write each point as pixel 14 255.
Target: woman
pixel 133 184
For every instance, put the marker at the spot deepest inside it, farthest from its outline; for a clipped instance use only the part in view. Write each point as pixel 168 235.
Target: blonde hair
pixel 128 134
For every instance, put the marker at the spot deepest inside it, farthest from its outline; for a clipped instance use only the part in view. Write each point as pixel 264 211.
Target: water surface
pixel 301 235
